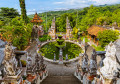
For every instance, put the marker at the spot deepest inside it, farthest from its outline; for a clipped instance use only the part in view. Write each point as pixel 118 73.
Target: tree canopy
pixel 105 37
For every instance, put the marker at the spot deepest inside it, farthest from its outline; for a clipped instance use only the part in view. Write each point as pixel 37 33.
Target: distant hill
pixel 55 13
pixel 83 19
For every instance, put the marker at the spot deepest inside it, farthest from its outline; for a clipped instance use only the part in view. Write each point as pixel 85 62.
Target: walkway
pixel 61 80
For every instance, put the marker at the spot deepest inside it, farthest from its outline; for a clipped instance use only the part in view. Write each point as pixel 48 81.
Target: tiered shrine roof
pixel 36 19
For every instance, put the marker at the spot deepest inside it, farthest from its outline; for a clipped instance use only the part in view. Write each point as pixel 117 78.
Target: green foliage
pixel 100 20
pixel 71 49
pixel 18 33
pixel 75 32
pixel 23 11
pixel 44 38
pixel 107 36
pixel 8 13
pixel 86 39
pixel 23 62
pixel 98 48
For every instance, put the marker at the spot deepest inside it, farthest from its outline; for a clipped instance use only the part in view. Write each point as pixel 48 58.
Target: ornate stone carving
pixel 35 32
pixel 93 63
pixel 29 60
pixel 10 62
pixel 110 65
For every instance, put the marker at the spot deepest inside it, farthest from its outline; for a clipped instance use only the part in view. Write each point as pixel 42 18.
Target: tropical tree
pixel 105 37
pixel 75 32
pixel 6 12
pixel 23 10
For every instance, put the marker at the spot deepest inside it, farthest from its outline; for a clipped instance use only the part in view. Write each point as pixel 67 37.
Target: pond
pixel 50 49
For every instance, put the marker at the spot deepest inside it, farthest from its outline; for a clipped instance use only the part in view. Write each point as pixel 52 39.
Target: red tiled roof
pixel 94 30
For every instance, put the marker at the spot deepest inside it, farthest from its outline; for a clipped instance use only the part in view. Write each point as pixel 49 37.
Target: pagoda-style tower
pixel 68 29
pixel 52 31
pixel 36 19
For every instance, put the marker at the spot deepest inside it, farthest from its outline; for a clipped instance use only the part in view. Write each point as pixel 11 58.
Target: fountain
pixel 60 44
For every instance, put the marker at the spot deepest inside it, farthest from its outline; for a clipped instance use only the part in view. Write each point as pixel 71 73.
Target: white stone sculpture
pixel 110 64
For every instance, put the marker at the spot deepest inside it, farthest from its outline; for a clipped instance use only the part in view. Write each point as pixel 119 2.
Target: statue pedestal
pixel 60 59
pixel 60 56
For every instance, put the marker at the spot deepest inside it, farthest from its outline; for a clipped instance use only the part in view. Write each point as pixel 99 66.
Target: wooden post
pixel 94 39
pixel 90 38
pixel 97 42
pixel 88 35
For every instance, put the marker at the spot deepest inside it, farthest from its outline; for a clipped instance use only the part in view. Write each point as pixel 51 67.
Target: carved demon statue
pixel 9 61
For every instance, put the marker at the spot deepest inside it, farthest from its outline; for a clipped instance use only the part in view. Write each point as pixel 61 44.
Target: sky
pixel 39 6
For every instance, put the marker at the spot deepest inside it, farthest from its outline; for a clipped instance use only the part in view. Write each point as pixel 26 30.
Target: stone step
pixel 61 80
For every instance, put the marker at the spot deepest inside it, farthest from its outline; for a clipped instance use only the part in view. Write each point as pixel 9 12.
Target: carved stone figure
pixel 29 60
pixel 54 57
pixel 66 57
pixel 35 33
pixel 110 65
pixel 93 63
pixel 85 63
pixel 8 51
pixel 9 61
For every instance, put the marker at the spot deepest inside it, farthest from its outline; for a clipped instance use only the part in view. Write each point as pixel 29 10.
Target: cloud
pixel 102 2
pixel 86 2
pixel 71 2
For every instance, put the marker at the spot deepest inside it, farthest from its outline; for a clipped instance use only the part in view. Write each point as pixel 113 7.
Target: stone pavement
pixel 61 80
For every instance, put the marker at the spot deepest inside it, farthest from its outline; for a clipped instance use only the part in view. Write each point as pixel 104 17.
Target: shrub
pixel 107 36
pixel 44 38
pixel 23 62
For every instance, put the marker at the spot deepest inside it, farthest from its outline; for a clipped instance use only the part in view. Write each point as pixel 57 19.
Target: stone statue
pixel 54 57
pixel 66 57
pixel 29 60
pixel 35 32
pixel 110 65
pixel 85 63
pixel 8 51
pixel 9 61
pixel 93 63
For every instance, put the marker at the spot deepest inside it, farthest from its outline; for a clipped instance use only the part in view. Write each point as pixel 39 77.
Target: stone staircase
pixel 61 80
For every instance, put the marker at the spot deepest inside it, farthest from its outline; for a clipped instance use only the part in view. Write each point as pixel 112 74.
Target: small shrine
pixel 52 30
pixel 37 30
pixel 36 20
pixel 68 29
